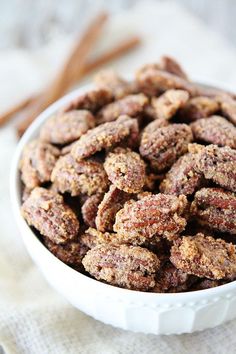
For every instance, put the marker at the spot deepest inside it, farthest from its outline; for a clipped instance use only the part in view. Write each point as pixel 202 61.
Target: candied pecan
pixel 153 126
pixel 37 162
pixel 92 100
pixel 126 170
pixel 182 177
pixel 120 88
pixel 215 130
pixel 131 105
pixel 197 108
pixel 76 177
pixel 171 279
pixel 104 136
pixel 125 266
pixel 228 107
pixel 93 237
pixel 165 145
pixel 172 66
pixel 169 103
pixel 154 215
pixel 47 212
pixel 218 164
pixel 64 128
pixel 204 257
pixel 90 208
pixel 153 81
pixel 112 202
pixel 70 253
pixel 215 208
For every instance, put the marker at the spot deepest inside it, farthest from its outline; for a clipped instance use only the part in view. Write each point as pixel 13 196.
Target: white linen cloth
pixel 34 319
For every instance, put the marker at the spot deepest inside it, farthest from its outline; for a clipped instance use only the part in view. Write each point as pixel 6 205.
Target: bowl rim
pixel 15 197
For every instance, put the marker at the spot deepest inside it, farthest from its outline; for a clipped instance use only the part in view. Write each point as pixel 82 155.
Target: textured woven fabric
pixel 34 319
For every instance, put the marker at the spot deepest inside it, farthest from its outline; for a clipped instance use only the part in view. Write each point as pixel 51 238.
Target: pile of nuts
pixel 133 183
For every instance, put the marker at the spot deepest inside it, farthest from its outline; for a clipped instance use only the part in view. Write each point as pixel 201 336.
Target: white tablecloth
pixel 34 319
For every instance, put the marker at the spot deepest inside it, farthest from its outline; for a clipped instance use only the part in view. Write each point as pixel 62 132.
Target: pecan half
pixel 215 130
pixel 154 215
pixel 204 257
pixel 182 178
pixel 153 81
pixel 131 105
pixel 197 108
pixel 104 136
pixel 215 208
pixel 92 100
pixel 228 108
pixel 47 212
pixel 64 128
pixel 119 87
pixel 171 279
pixel 165 145
pixel 172 66
pixel 90 208
pixel 37 162
pixel 153 126
pixel 125 266
pixel 169 103
pixel 70 253
pixel 218 164
pixel 112 202
pixel 93 237
pixel 126 170
pixel 76 177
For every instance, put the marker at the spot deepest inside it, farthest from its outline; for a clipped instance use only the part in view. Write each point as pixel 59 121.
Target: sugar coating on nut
pixel 153 126
pixel 215 130
pixel 171 279
pixel 104 136
pixel 70 253
pixel 112 202
pixel 154 215
pixel 131 267
pixel 131 105
pixel 47 212
pixel 165 145
pixel 218 164
pixel 126 170
pixel 172 66
pixel 64 128
pixel 182 178
pixel 169 102
pixel 216 209
pixel 76 177
pixel 92 100
pixel 228 108
pixel 90 208
pixel 153 81
pixel 37 162
pixel 119 87
pixel 199 107
pixel 204 257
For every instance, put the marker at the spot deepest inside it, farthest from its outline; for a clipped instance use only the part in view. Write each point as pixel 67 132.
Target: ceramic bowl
pixel 127 309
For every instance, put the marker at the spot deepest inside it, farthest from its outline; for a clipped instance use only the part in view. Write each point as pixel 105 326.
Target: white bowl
pixel 127 309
